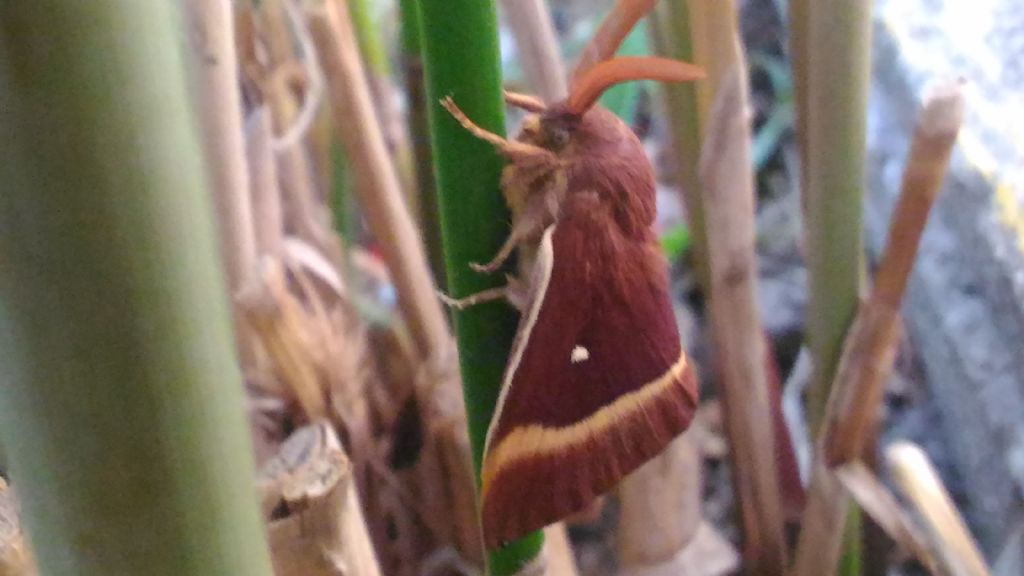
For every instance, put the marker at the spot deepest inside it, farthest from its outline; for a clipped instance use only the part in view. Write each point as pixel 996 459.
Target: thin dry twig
pixel 377 182
pixel 211 26
pixel 936 133
pixel 313 96
pixel 530 21
pixel 728 205
pixel 281 323
pixel 212 35
pixel 950 540
pixel 303 211
pixel 266 194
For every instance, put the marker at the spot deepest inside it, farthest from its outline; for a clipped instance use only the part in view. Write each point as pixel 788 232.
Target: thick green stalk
pixel 122 408
pixel 460 49
pixel 837 90
pixel 831 95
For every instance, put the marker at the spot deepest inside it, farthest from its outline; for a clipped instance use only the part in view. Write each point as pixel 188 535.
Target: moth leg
pixel 488 295
pixel 500 257
pixel 515 292
pixel 525 102
pixel 540 211
pixel 514 150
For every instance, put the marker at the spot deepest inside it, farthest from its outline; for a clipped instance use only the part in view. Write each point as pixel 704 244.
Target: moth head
pixel 559 125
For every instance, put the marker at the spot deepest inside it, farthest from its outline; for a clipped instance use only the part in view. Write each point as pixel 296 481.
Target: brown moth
pixel 597 382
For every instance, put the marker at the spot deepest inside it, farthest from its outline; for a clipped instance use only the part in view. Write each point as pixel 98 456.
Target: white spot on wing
pixel 579 354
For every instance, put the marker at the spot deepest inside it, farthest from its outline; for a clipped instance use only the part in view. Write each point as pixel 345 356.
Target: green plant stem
pixel 419 132
pixel 837 89
pixel 460 50
pixel 831 96
pixel 684 119
pixel 122 407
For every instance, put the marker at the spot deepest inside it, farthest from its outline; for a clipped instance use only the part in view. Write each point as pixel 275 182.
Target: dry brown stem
pixel 303 212
pixel 558 551
pixel 864 367
pixel 322 532
pixel 661 529
pixel 530 21
pixel 281 323
pixel 211 27
pixel 218 101
pixel 15 555
pixel 281 83
pixel 660 506
pixel 266 194
pixel 949 538
pixel 881 505
pixel 934 137
pixel 822 524
pixel 728 205
pixel 870 347
pixel 377 182
pixel 448 427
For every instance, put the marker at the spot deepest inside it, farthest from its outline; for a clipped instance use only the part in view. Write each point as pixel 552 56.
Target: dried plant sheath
pixel 876 499
pixel 597 382
pixel 323 532
pixel 951 541
pixel 665 490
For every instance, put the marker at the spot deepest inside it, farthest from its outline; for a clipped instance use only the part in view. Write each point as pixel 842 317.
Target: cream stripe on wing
pixel 536 440
pixel 542 266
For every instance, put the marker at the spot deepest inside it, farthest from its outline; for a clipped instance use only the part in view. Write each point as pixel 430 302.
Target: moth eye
pixel 558 137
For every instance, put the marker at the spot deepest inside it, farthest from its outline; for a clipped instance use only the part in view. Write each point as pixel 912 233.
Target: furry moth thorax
pixel 599 154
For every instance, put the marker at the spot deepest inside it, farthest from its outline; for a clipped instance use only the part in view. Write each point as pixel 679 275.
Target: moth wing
pixel 597 380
